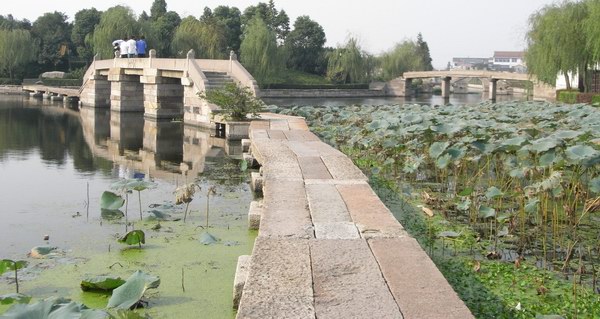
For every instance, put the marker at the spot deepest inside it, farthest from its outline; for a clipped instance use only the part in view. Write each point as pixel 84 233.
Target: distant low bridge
pixel 402 85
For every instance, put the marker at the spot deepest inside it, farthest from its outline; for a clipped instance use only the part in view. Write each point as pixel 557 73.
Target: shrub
pixel 565 96
pixel 596 100
pixel 236 102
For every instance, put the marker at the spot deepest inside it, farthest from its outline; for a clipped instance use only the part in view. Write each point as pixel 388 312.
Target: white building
pixel 508 61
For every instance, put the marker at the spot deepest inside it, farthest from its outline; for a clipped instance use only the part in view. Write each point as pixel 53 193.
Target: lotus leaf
pixel 514 143
pixel 464 205
pixel 466 192
pixel 104 283
pixel 567 134
pixel 139 185
pixel 447 129
pixel 594 184
pixel 134 237
pixel 128 294
pixel 54 308
pixel 493 192
pixel 157 214
pixel 437 148
pixel 456 153
pixel 578 153
pixel 443 161
pixel 208 239
pixel 111 214
pixel 548 158
pixel 449 234
pixel 503 232
pixel 14 298
pixel 111 201
pixel 486 212
pixel 543 144
pixel 119 185
pixel 7 264
pixel 532 205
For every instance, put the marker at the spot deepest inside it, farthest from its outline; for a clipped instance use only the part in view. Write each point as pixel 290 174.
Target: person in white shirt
pixel 132 48
pixel 124 47
pixel 117 47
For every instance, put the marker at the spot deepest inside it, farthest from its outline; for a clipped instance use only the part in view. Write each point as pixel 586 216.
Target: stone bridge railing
pixel 162 88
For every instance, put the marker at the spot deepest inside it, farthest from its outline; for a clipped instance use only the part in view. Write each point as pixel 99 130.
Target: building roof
pixel 509 54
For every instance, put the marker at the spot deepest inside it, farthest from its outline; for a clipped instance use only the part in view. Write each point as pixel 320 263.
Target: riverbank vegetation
pixel 261 35
pixel 504 197
pixel 563 39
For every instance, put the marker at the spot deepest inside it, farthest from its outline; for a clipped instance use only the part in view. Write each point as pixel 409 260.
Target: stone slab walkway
pixel 327 246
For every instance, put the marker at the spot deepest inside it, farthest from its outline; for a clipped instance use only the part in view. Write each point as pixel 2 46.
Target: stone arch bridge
pixel 402 85
pixel 161 88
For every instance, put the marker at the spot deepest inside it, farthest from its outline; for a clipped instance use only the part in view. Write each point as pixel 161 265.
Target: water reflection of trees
pixel 54 132
pixel 96 139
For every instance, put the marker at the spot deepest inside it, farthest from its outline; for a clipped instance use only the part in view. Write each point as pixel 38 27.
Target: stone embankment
pixel 327 246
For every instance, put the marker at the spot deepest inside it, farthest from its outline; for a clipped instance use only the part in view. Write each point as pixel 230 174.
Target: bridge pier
pixel 163 96
pixel 126 91
pixel 493 89
pixel 446 87
pixel 96 92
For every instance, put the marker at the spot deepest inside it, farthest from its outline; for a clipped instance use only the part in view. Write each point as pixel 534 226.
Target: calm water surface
pixel 455 99
pixel 50 155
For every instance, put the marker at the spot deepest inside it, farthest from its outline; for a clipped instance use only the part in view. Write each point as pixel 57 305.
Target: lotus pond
pixel 74 183
pixel 505 197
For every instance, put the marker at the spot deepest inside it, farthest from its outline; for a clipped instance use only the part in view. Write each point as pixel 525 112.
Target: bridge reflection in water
pixel 163 149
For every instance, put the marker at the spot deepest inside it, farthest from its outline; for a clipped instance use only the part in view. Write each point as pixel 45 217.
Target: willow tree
pixel 592 28
pixel 349 64
pixel 17 49
pixel 403 57
pixel 259 51
pixel 556 42
pixel 115 23
pixel 206 38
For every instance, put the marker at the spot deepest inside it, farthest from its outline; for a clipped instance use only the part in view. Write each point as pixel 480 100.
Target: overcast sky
pixel 452 28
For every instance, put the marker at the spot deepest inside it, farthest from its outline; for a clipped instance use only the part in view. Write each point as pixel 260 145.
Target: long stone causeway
pixel 327 246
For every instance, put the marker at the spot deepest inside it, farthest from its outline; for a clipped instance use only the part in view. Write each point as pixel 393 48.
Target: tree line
pixel 261 36
pixel 563 38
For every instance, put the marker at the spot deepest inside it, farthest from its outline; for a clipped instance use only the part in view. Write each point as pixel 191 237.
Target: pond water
pixel 54 160
pixel 455 99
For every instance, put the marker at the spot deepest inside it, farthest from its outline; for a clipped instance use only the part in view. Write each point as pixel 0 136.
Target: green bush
pixel 236 103
pixel 62 82
pixel 572 97
pixel 284 86
pixel 565 96
pixel 596 100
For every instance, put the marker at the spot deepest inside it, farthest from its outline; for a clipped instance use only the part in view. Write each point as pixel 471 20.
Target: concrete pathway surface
pixel 327 246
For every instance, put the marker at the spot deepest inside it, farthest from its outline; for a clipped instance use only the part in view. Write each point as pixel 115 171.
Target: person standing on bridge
pixel 141 47
pixel 117 47
pixel 132 48
pixel 124 47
